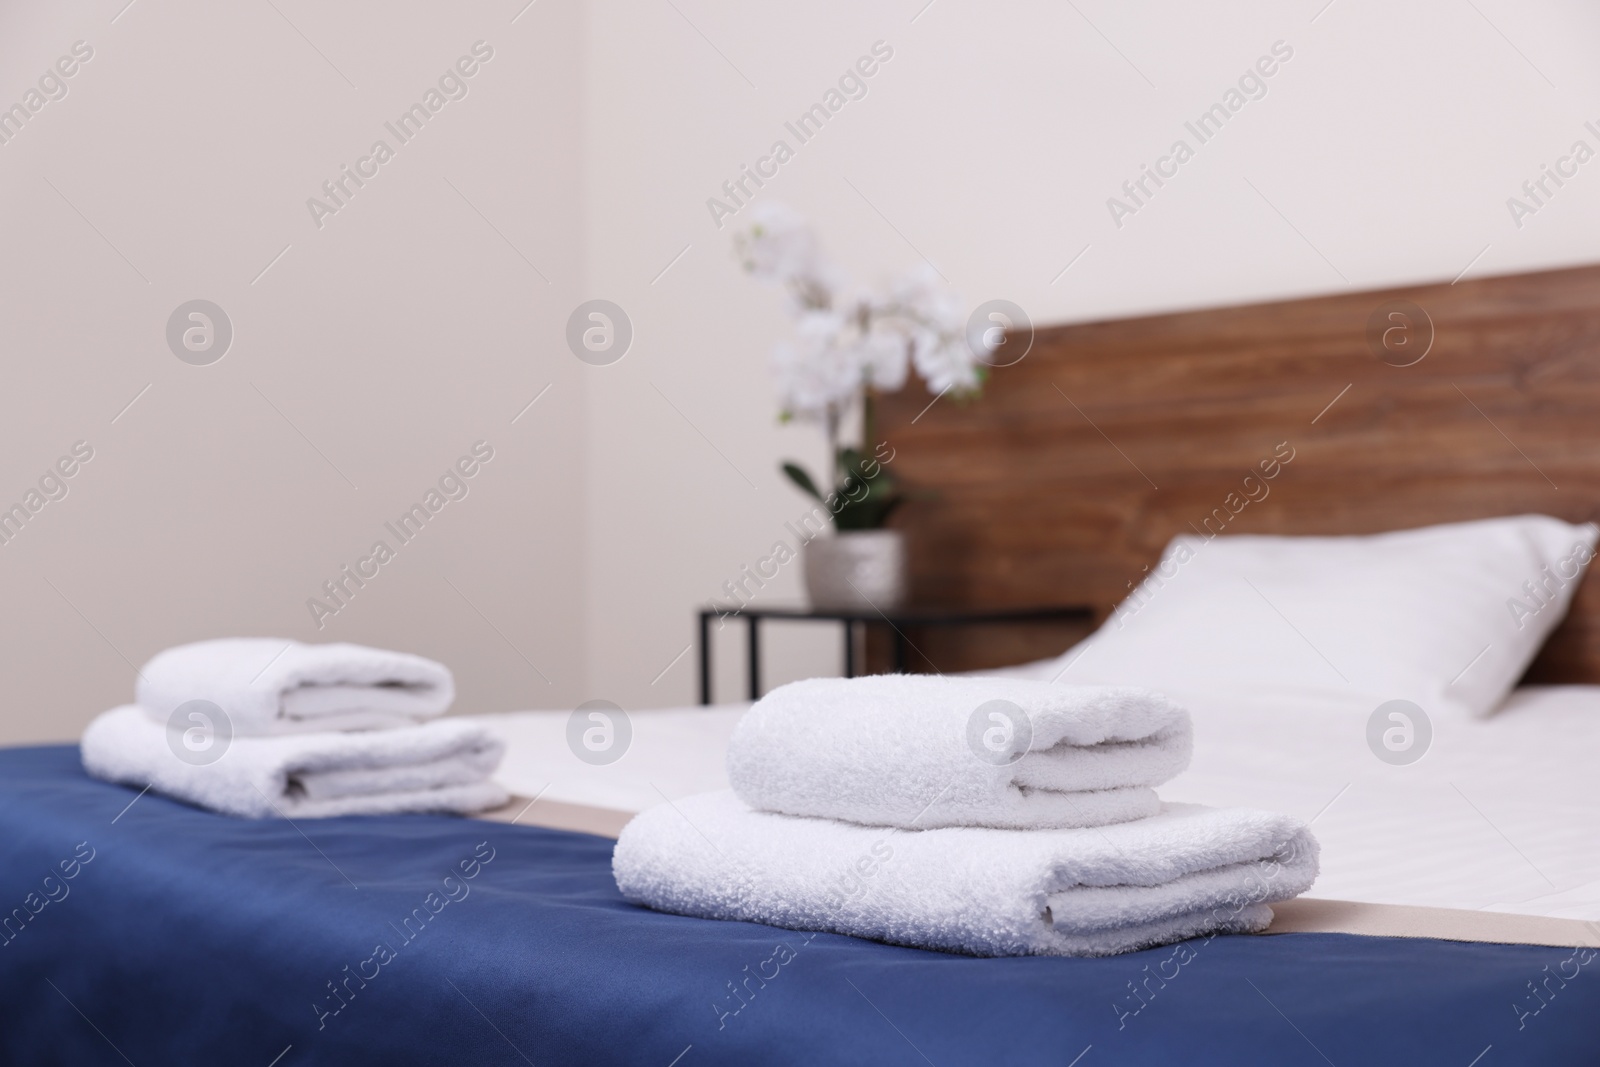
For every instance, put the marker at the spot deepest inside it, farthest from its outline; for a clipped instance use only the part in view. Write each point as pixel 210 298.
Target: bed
pixel 189 937
pixel 1512 822
pixel 1457 918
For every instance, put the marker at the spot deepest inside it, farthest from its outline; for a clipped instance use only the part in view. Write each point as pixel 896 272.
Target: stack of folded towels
pixel 262 727
pixel 989 816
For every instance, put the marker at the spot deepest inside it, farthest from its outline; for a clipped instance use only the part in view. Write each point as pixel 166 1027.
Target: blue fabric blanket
pixel 147 932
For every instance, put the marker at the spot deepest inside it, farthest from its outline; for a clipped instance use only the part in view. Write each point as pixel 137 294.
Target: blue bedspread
pixel 160 934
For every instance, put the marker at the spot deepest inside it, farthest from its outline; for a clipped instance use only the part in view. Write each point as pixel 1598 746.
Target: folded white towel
pixel 437 766
pixel 1187 871
pixel 271 685
pixel 923 751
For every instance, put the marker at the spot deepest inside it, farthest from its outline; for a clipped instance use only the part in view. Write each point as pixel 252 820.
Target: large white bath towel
pixel 1185 872
pixel 437 766
pixel 922 751
pixel 272 685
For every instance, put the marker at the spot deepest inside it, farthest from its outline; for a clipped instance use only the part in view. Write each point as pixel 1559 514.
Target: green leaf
pixel 868 514
pixel 802 479
pixel 867 502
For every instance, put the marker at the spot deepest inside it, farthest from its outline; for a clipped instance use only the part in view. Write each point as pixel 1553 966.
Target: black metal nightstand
pixel 895 620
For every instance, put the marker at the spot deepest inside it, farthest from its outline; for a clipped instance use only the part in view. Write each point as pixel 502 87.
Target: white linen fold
pixel 924 751
pixel 438 766
pixel 1184 872
pixel 270 685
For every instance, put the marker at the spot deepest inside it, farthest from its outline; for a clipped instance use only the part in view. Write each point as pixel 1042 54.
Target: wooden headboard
pixel 1079 463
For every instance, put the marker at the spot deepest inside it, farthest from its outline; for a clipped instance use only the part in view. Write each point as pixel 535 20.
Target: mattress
pixel 1499 814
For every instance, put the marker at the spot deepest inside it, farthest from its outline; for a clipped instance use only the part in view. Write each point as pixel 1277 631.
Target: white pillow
pixel 1445 616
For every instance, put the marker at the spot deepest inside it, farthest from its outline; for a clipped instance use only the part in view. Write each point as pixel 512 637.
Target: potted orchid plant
pixel 850 344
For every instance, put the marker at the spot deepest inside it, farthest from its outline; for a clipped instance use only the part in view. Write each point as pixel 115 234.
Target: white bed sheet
pixel 1501 814
pixel 674 752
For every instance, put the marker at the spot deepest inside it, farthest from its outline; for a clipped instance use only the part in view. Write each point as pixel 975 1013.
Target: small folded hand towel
pixel 269 685
pixel 437 766
pixel 921 751
pixel 1185 872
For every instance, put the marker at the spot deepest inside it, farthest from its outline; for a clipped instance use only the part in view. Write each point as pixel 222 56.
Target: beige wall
pixel 380 346
pixel 392 338
pixel 990 143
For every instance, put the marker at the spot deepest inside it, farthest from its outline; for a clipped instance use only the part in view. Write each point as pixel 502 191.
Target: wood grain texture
pixel 1079 463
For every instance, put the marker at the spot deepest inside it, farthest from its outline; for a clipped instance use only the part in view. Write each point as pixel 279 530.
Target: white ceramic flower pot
pixel 859 570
